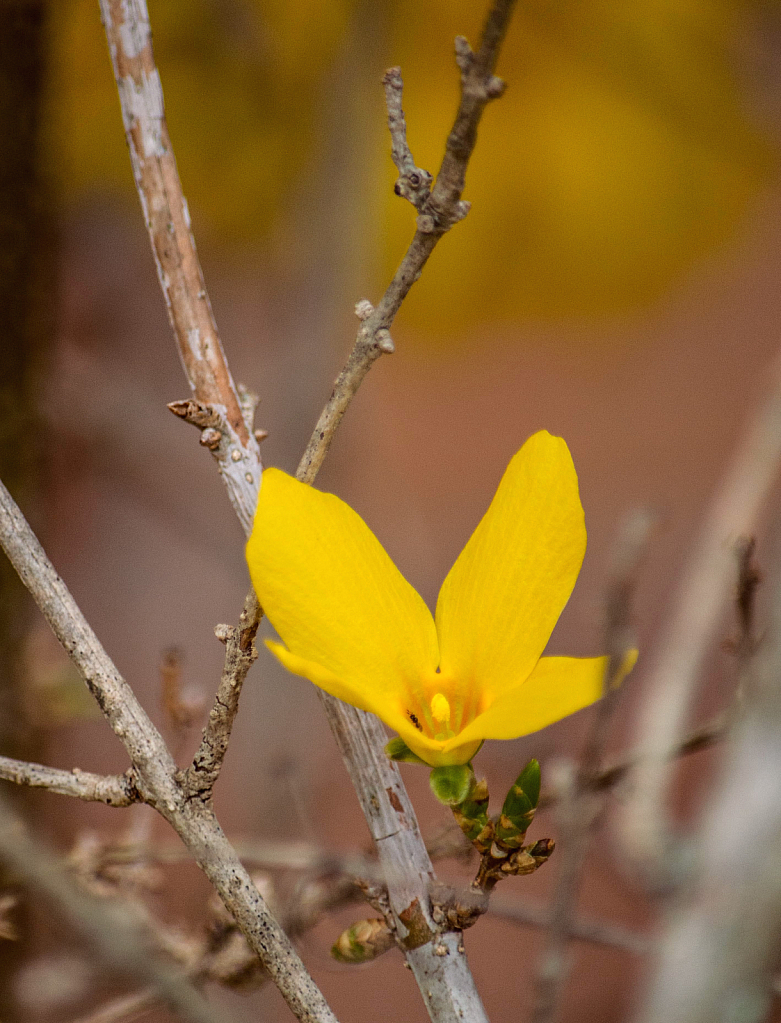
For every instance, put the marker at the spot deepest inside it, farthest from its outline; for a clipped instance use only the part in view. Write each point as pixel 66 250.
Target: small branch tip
pixel 392 77
pixel 464 54
pixel 363 309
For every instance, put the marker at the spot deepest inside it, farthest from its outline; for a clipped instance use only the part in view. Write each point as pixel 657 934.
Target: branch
pixel 645 825
pixel 181 279
pixel 114 790
pixel 438 213
pixel 579 803
pixel 240 655
pixel 596 932
pixel 156 776
pixel 720 946
pixel 444 979
pixel 118 939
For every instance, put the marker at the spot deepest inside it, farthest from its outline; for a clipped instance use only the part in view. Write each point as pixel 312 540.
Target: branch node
pixel 384 341
pixel 426 224
pixel 495 87
pixel 223 632
pixel 210 438
pixel 363 309
pixel 199 413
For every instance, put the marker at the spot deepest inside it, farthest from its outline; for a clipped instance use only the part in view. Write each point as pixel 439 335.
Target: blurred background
pixel 616 283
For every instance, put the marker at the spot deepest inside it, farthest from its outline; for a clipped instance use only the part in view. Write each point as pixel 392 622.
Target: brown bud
pixel 363 942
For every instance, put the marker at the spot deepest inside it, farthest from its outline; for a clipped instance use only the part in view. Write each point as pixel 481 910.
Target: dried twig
pixel 240 655
pixel 414 183
pixel 682 645
pixel 596 932
pixel 181 279
pixel 703 737
pixel 156 777
pixel 719 953
pixel 126 1007
pixel 438 212
pixel 116 937
pixel 579 803
pixel 114 790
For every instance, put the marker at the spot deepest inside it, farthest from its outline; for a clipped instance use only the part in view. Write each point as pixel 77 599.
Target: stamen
pixel 440 708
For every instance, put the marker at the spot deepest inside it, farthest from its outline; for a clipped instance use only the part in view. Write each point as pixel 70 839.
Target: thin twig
pixel 442 209
pixel 579 802
pixel 125 1008
pixel 703 737
pixel 116 937
pixel 114 790
pixel 414 183
pixel 645 826
pixel 240 655
pixel 719 953
pixel 595 932
pixel 168 222
pixel 157 778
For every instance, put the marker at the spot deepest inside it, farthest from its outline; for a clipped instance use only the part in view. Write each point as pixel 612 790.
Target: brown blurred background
pixel 615 283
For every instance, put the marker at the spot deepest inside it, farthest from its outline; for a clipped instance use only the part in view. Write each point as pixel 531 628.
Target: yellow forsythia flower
pixel 353 625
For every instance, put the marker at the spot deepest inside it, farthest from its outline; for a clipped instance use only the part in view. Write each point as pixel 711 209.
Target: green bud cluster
pixel 472 817
pixel 519 807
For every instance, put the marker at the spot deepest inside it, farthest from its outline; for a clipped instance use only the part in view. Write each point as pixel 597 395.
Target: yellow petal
pixel 318 674
pixel 502 598
pixel 351 622
pixel 557 687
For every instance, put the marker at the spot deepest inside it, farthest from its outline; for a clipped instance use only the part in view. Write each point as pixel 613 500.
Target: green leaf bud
pixel 363 942
pixel 452 785
pixel 397 749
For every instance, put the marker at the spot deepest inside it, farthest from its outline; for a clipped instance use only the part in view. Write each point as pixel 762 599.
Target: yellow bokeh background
pixel 623 150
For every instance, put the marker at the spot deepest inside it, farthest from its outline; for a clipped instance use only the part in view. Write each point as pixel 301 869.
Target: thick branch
pixel 168 223
pixel 681 649
pixel 157 778
pixel 114 790
pixel 444 978
pixel 719 953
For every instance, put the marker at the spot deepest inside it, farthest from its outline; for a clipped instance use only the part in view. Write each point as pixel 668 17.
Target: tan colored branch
pixel 167 221
pixel 580 802
pixel 114 790
pixel 700 604
pixel 240 655
pixel 156 774
pixel 718 956
pixel 595 932
pixel 444 978
pixel 437 214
